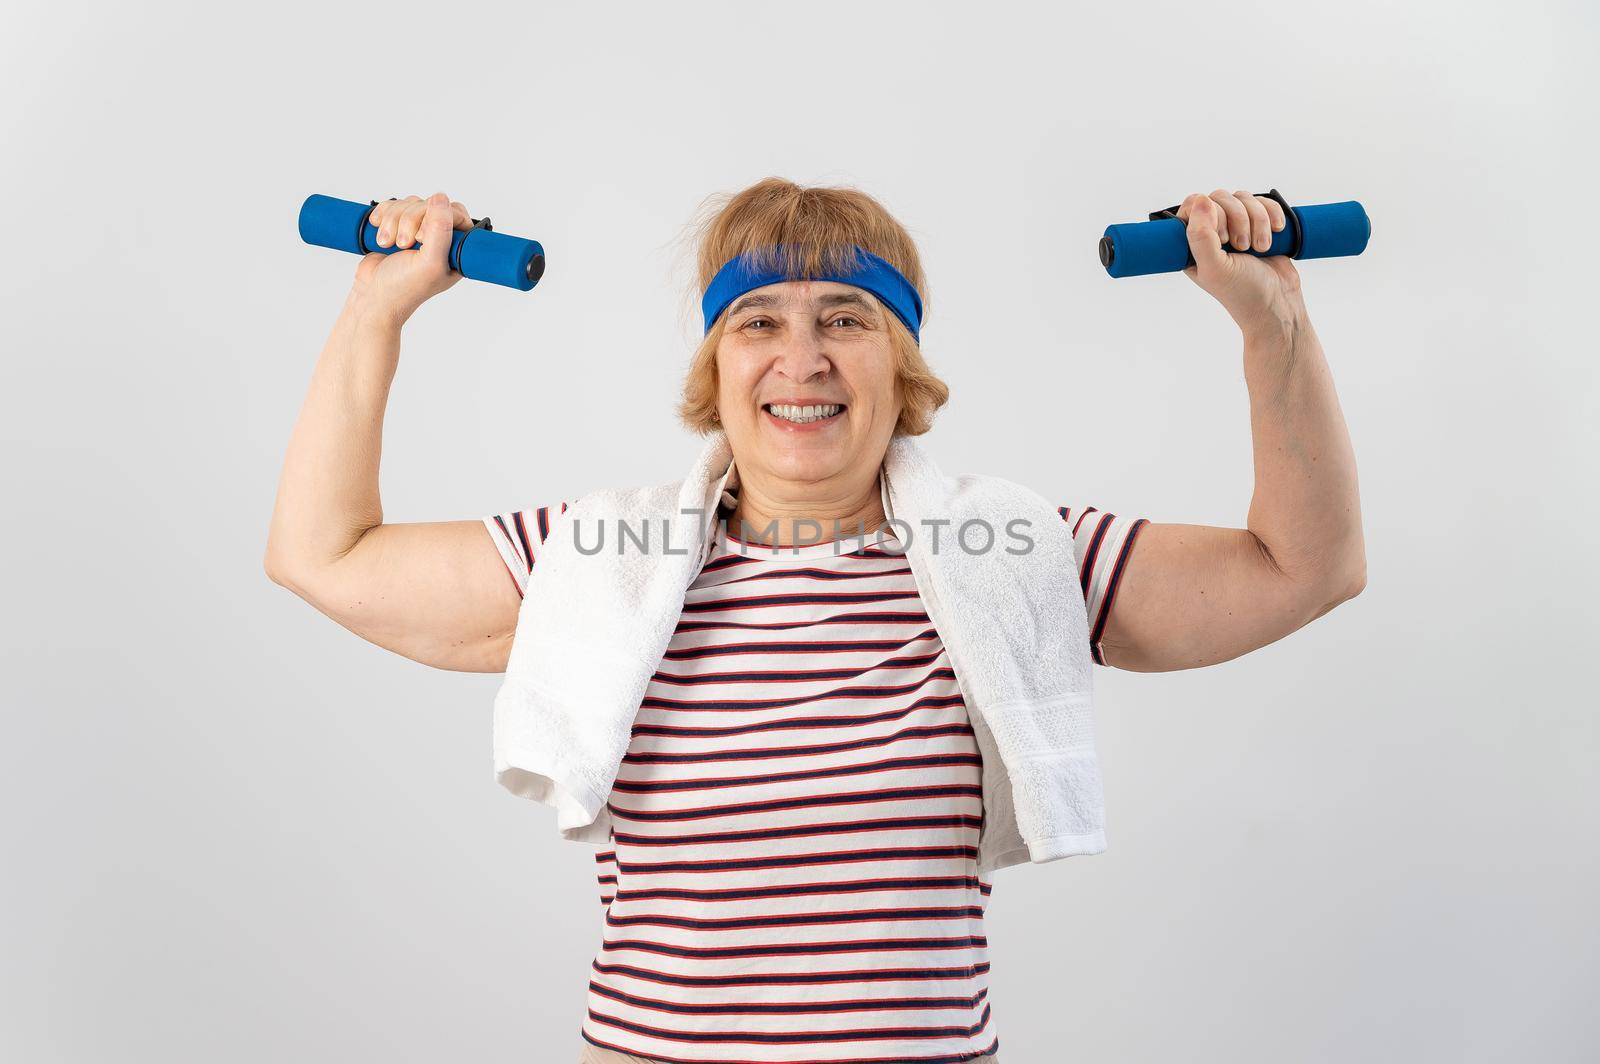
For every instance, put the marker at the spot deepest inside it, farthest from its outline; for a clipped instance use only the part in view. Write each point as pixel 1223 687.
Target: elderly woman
pixel 791 870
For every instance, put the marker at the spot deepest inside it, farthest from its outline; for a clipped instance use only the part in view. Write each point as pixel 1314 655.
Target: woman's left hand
pixel 1260 293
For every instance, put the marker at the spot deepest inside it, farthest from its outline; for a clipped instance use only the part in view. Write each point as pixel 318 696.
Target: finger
pixel 379 214
pixel 392 219
pixel 1238 229
pixel 1205 244
pixel 423 207
pixel 1260 224
pixel 462 219
pixel 436 225
pixel 393 209
pixel 409 221
pixel 1192 201
pixel 1274 211
pixel 376 215
pixel 1186 209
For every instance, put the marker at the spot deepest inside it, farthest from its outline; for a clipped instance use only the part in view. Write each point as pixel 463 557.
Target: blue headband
pixel 739 275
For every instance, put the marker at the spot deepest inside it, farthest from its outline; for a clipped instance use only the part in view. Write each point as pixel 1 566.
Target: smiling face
pixel 807 384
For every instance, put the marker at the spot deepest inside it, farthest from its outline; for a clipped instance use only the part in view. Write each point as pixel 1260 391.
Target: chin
pixel 807 461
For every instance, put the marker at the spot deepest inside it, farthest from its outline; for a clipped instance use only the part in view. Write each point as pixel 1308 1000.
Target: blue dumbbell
pixel 1161 245
pixel 479 253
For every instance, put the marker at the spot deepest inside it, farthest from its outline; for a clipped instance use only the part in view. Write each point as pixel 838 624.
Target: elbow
pixel 1349 583
pixel 1357 582
pixel 284 569
pixel 1353 572
pixel 277 569
pixel 291 560
pixel 302 567
pixel 1344 570
pixel 275 559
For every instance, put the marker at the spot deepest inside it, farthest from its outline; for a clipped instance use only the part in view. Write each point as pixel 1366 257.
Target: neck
pixel 777 518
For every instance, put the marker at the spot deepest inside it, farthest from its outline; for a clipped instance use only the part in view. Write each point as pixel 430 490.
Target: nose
pixel 803 356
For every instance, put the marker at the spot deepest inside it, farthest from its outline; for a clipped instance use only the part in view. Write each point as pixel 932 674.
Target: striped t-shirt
pixel 791 874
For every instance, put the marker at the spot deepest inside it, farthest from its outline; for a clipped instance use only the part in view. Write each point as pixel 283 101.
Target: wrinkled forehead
pixel 805 295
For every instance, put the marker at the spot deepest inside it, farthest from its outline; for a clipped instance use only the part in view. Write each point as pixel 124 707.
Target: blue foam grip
pixel 1334 229
pixel 479 254
pixel 1162 246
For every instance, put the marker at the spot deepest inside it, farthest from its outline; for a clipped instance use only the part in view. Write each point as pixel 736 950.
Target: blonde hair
pixel 817 229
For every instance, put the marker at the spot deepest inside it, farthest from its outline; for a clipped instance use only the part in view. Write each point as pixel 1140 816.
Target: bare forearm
pixel 1306 509
pixel 328 493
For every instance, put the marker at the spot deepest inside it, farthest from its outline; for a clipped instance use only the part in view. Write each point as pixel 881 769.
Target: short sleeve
pixel 1102 542
pixel 519 536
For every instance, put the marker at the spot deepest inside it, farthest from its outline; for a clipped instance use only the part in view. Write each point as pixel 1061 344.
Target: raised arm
pixel 1194 595
pixel 435 592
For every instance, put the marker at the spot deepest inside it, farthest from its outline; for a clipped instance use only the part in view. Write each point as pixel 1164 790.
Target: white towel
pixel 594 627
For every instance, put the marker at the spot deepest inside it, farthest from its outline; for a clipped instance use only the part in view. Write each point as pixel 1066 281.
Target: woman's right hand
pixel 396 284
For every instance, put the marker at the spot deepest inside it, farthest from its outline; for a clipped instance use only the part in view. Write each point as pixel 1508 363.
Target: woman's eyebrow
pixel 835 299
pixel 752 301
pixel 847 299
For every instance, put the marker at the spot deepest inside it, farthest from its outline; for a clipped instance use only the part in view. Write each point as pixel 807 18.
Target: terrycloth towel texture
pixel 594 626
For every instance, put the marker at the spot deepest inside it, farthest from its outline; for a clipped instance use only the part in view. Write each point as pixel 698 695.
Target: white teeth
pixel 802 415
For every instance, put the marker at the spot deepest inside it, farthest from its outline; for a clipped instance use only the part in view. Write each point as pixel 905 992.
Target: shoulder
pixel 649 498
pixel 986 491
pixel 961 491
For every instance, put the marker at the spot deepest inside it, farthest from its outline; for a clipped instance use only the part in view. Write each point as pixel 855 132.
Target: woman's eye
pixel 842 319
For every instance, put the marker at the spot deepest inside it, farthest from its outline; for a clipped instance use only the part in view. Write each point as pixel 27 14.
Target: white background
pixel 232 831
